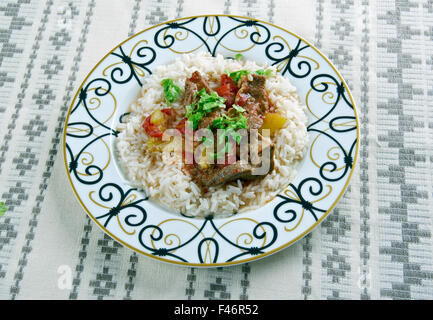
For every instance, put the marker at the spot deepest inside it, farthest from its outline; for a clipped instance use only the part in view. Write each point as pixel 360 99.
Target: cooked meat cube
pixel 217 175
pixel 190 91
pixel 252 96
pixel 232 172
pixel 209 118
pixel 252 93
pixel 254 121
pixel 193 85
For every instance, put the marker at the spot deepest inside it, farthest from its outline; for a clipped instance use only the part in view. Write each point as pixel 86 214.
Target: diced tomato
pixel 226 79
pixel 226 93
pixel 227 90
pixel 168 111
pixel 151 129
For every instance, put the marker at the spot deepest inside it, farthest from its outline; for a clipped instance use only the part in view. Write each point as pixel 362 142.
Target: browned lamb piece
pixel 193 85
pixel 252 96
pixel 218 175
pixel 209 118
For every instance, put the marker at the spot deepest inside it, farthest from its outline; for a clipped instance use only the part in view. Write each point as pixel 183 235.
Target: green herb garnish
pixel 237 75
pixel 228 128
pixel 3 209
pixel 207 103
pixel 239 56
pixel 266 73
pixel 238 108
pixel 171 91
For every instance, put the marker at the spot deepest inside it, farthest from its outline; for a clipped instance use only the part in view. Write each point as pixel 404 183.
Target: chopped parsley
pixel 237 75
pixel 266 73
pixel 228 128
pixel 238 108
pixel 171 91
pixel 207 103
pixel 3 209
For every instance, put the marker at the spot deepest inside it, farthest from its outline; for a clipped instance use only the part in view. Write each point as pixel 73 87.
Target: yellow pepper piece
pixel 157 117
pixel 204 160
pixel 273 122
pixel 154 144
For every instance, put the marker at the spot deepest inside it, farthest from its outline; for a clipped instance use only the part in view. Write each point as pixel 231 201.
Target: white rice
pixel 161 176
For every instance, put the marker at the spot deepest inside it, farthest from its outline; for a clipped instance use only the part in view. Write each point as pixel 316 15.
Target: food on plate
pixel 211 135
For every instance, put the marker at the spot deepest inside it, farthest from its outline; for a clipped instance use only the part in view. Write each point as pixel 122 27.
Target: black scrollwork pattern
pixel 164 251
pixel 122 203
pixel 208 240
pixel 320 83
pixel 329 171
pixel 256 37
pixel 102 89
pixel 210 244
pixel 257 233
pixel 279 52
pixel 291 213
pixel 165 40
pixel 93 92
pixel 141 58
pixel 94 173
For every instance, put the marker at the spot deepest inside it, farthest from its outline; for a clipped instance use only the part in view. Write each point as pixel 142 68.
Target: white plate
pixel 127 215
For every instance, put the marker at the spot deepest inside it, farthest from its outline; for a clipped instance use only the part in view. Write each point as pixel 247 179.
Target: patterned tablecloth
pixel 377 243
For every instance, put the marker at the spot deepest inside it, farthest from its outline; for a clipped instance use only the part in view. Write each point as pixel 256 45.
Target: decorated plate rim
pixel 252 258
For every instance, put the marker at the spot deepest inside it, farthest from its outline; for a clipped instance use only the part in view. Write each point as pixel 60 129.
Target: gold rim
pixel 239 261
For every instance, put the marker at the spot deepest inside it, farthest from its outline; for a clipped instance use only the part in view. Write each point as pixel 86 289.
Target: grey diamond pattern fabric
pixel 376 244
